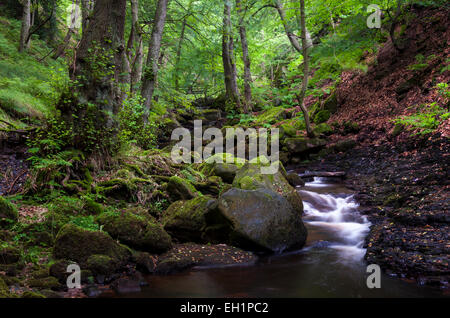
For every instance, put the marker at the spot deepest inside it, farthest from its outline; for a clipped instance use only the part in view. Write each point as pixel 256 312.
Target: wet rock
pixel 262 219
pixel 295 180
pixel 145 262
pixel 184 256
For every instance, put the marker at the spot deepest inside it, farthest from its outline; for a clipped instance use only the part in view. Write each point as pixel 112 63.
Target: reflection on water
pixel 330 265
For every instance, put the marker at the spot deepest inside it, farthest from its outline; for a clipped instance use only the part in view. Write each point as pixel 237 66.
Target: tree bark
pixel 26 26
pixel 151 71
pixel 90 106
pixel 135 46
pixel 245 59
pixel 305 53
pixel 62 47
pixel 178 56
pixel 86 10
pixel 229 67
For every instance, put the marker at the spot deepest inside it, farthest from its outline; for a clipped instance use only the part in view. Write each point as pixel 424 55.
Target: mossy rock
pixel 102 265
pixel 271 116
pixel 251 178
pixel 323 129
pixel 224 165
pixel 322 116
pixel 4 290
pixel 8 212
pixel 32 294
pixel 136 231
pixel 187 220
pixel 262 219
pixel 303 146
pixel 76 244
pixel 9 255
pixel 45 283
pixel 287 130
pixel 181 189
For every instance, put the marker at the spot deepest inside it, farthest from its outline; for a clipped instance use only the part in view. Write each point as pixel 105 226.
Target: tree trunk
pixel 90 106
pixel 151 71
pixel 305 53
pixel 62 47
pixel 178 56
pixel 229 67
pixel 290 34
pixel 26 26
pixel 86 10
pixel 245 59
pixel 135 41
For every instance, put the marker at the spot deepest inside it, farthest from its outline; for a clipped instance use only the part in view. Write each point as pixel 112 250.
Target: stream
pixel 330 265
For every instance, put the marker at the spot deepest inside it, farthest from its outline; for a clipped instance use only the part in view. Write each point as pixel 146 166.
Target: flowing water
pixel 330 265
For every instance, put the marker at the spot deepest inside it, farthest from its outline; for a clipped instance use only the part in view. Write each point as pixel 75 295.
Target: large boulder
pixel 262 219
pixel 76 244
pixel 187 220
pixel 250 177
pixel 136 231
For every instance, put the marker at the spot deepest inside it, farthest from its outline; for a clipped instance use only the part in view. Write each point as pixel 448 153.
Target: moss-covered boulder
pixel 303 146
pixel 295 180
pixel 224 165
pixel 287 130
pixel 181 189
pixel 45 283
pixel 187 220
pixel 136 231
pixel 8 212
pixel 250 177
pixel 344 145
pixel 262 220
pixel 76 244
pixel 321 116
pixel 9 255
pixel 102 265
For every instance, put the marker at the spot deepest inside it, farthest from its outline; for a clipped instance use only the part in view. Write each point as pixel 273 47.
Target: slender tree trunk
pixel 135 42
pixel 62 47
pixel 229 67
pixel 26 25
pixel 290 34
pixel 86 10
pixel 245 59
pixel 89 108
pixel 151 71
pixel 178 56
pixel 305 53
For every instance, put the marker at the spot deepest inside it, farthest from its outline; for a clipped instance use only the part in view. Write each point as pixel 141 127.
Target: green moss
pixel 179 188
pixel 7 211
pixel 101 265
pixel 45 283
pixel 288 130
pixel 322 116
pixel 136 230
pixel 4 289
pixel 323 128
pixel 9 255
pixel 74 243
pixel 271 116
pixel 31 294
